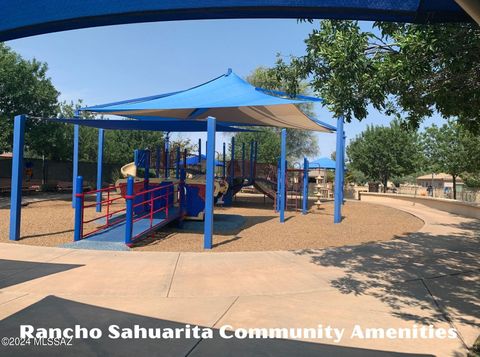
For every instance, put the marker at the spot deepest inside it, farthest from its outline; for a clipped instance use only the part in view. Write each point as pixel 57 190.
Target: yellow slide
pixel 129 169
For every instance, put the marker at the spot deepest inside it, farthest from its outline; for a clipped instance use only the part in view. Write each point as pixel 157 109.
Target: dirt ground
pixel 51 224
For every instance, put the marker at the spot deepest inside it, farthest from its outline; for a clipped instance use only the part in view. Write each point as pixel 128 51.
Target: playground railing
pixel 145 206
pixel 108 204
pixel 150 200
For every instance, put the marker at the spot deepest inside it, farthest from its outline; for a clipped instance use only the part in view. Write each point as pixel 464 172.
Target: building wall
pixel 466 209
pixel 58 172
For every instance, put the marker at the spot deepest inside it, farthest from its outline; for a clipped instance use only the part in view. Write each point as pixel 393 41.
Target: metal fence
pixel 464 194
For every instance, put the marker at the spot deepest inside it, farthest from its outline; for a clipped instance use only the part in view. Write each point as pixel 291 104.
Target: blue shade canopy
pixel 323 163
pixel 228 98
pixel 32 17
pixel 193 160
pixel 150 125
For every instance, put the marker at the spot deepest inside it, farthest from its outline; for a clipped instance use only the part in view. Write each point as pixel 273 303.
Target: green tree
pixel 408 70
pixel 299 142
pixel 268 144
pixel 453 150
pixel 26 89
pixel 381 153
pixel 119 145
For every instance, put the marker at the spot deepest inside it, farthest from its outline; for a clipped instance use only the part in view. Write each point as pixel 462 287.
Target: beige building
pixel 439 181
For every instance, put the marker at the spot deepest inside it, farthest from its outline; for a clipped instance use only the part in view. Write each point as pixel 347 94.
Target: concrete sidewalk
pixel 428 278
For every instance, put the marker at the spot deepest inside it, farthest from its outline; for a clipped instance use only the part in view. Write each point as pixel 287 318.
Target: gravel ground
pixel 51 224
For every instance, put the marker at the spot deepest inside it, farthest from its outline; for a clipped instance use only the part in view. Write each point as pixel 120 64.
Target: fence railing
pixel 113 198
pixel 463 194
pixel 128 204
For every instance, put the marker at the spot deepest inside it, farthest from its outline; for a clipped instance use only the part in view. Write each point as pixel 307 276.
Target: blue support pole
pixel 277 206
pixel 337 217
pixel 283 170
pixel 255 160
pixel 167 155
pixel 305 186
pixel 177 164
pixel 252 147
pixel 209 189
pixel 224 168
pixel 78 228
pixel 17 176
pixel 232 160
pixel 243 161
pixel 158 156
pixel 343 167
pixel 76 149
pixel 129 211
pixel 101 136
pixel 181 189
pixel 228 198
pixel 146 177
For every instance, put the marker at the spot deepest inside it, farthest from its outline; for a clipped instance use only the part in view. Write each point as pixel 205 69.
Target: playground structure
pixel 140 204
pixel 171 189
pixel 163 195
pixel 60 16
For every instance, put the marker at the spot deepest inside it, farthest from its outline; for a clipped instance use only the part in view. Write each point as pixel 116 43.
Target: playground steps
pixel 293 200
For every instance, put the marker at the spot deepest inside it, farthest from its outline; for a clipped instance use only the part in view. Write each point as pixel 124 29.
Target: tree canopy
pixel 25 88
pixel 407 70
pixel 453 150
pixel 299 142
pixel 382 153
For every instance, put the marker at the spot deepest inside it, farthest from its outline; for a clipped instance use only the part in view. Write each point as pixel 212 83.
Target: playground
pixel 213 238
pixel 165 186
pixel 258 228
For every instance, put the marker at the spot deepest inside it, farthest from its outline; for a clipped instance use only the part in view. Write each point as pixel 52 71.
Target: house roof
pixel 439 177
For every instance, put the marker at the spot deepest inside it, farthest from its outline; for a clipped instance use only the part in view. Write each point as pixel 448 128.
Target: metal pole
pixel 343 168
pixel 277 201
pixel 224 169
pixel 78 229
pixel 199 150
pixel 158 155
pixel 209 189
pixel 101 136
pixel 146 177
pixel 129 211
pixel 243 161
pixel 339 165
pixel 76 149
pixel 305 186
pixel 255 160
pixel 232 160
pixel 252 147
pixel 17 176
pixel 167 155
pixel 283 169
pixel 177 166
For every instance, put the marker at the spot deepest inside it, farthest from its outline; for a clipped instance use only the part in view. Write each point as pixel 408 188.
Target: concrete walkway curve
pixel 428 278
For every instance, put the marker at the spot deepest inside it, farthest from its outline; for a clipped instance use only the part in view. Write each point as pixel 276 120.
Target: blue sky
pixel 112 63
